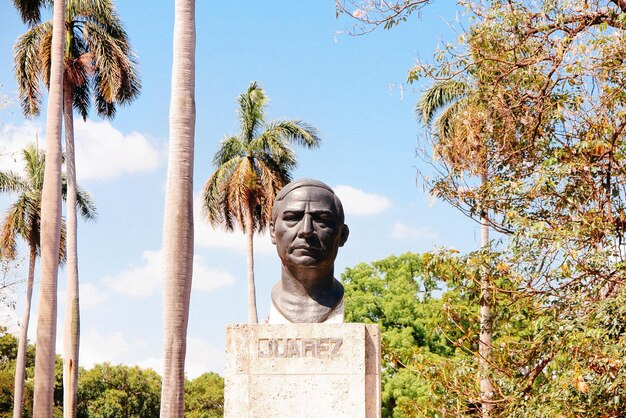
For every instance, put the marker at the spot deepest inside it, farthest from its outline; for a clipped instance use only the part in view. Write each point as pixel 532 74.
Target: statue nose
pixel 307 225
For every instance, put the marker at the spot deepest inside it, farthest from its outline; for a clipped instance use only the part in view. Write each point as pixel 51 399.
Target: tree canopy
pixel 106 390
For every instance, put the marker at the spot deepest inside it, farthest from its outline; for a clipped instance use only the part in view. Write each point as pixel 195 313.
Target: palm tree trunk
pixel 71 332
pixel 50 226
pixel 252 313
pixel 178 216
pixel 20 363
pixel 486 323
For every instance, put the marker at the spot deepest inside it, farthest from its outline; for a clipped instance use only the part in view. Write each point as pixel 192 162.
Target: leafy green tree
pixel 23 220
pixel 396 294
pixel 118 391
pixel 552 105
pixel 98 62
pixel 462 143
pixel 8 355
pixel 204 396
pixel 250 170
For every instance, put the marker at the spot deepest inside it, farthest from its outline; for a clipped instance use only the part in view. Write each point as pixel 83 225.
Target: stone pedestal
pixel 302 370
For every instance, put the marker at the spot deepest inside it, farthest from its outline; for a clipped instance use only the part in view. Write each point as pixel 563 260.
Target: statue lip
pixel 306 248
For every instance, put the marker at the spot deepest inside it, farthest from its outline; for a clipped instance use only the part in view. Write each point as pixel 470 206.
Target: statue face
pixel 307 232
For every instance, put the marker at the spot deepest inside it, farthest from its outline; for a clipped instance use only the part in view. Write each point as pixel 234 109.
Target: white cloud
pixel 402 231
pixel 139 280
pixel 146 279
pixel 152 362
pixel 201 357
pixel 8 316
pixel 212 238
pixel 103 152
pixel 356 202
pixel 91 296
pixel 113 347
pixel 14 138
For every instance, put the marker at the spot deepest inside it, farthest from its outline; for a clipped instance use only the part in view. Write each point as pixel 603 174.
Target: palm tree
pixel 23 219
pixel 98 62
pixel 445 108
pixel 178 216
pixel 250 169
pixel 50 210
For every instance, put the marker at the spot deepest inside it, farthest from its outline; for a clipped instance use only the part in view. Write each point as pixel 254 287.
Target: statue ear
pixel 272 233
pixel 345 231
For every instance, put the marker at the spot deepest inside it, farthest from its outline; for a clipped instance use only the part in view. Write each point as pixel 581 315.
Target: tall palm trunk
pixel 20 363
pixel 252 313
pixel 486 323
pixel 178 216
pixel 71 332
pixel 50 226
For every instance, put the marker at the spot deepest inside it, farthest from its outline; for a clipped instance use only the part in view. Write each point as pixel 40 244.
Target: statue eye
pixel 324 219
pixel 292 216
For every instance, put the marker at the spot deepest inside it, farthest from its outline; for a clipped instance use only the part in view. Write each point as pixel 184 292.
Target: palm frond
pixel 22 219
pixel 271 180
pixel 251 110
pixel 107 59
pixel 115 68
pixel 45 53
pixel 231 147
pixel 241 190
pixel 437 97
pixel 34 166
pixel 29 65
pixel 80 100
pixel 85 204
pixel 294 131
pixel 11 181
pixel 8 241
pixel 279 157
pixel 214 193
pixel 101 12
pixel 447 121
pixel 131 82
pixel 30 10
pixel 63 243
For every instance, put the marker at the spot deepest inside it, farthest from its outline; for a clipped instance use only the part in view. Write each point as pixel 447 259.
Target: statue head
pixel 307 225
pixel 308 228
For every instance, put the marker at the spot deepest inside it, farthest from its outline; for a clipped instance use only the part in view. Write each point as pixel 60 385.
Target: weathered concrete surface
pixel 302 370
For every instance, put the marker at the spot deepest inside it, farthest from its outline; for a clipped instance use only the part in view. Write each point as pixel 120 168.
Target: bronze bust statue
pixel 307 228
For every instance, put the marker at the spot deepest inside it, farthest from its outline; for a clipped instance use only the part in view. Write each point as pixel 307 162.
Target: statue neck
pixel 306 299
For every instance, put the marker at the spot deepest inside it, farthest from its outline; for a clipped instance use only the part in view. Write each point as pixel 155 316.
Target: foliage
pixel 118 391
pixel 8 354
pixel 396 294
pixel 547 104
pixel 109 390
pixel 370 14
pixel 253 166
pixel 545 361
pixel 30 10
pixel 24 216
pixel 204 396
pixel 99 61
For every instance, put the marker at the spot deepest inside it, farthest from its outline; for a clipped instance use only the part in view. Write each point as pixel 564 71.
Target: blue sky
pixel 351 88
